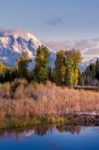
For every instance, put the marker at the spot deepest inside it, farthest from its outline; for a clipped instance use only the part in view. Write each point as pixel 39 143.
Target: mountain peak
pixel 14 42
pixel 18 33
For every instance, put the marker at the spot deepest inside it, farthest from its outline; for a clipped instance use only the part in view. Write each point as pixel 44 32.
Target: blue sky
pixel 52 19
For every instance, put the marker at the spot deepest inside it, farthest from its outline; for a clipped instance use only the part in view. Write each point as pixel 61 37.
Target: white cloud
pixel 88 47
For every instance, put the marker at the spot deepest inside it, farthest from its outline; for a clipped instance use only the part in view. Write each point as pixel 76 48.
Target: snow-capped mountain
pixel 14 43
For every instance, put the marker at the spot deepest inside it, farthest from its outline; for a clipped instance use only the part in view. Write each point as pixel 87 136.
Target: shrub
pixel 45 99
pixel 5 90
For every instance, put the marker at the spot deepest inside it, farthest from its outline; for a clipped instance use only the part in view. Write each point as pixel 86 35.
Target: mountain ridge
pixel 14 42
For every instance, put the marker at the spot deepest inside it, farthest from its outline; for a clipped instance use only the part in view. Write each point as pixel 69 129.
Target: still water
pixel 51 138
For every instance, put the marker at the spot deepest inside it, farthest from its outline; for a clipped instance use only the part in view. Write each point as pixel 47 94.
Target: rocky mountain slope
pixel 14 42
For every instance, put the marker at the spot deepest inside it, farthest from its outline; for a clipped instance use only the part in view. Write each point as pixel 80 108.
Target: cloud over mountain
pixel 14 42
pixel 88 47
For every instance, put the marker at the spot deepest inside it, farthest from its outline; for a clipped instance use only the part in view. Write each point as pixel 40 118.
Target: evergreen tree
pixel 97 69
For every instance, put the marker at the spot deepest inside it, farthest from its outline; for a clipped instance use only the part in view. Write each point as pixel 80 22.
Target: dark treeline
pixel 91 75
pixel 65 72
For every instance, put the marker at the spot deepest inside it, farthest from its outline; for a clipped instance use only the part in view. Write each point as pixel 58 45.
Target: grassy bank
pixel 30 122
pixel 20 100
pixel 69 119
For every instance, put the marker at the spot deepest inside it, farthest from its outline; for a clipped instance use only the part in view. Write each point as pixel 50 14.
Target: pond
pixel 56 137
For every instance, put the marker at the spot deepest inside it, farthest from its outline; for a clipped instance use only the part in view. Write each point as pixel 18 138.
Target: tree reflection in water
pixel 38 130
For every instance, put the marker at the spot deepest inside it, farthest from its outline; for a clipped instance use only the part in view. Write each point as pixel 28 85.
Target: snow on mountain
pixel 14 43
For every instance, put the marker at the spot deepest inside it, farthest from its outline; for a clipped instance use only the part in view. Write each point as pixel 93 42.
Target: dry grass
pixel 28 100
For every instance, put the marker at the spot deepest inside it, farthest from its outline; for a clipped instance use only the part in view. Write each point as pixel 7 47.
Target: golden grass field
pixel 22 100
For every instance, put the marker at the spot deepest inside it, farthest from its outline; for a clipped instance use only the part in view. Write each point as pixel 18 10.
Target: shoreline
pixel 67 119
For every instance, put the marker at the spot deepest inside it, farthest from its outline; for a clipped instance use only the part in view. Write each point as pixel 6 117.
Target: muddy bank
pixel 83 119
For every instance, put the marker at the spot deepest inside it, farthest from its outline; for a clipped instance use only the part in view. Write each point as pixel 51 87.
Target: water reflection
pixel 38 130
pixel 71 129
